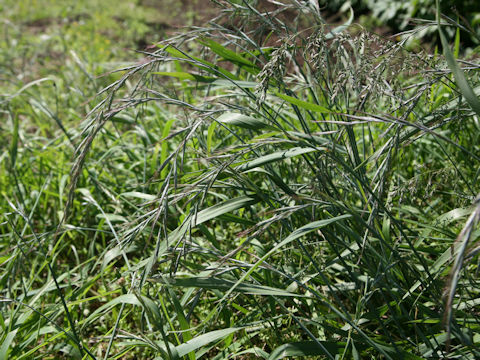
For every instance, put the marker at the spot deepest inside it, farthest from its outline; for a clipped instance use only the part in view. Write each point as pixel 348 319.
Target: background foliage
pixel 418 15
pixel 263 186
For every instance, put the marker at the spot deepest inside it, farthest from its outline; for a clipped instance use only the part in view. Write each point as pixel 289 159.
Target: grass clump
pixel 257 188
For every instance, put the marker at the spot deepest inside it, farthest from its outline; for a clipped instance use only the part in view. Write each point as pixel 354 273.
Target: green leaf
pixel 6 344
pixel 225 285
pixel 307 348
pixel 130 299
pixel 202 340
pixel 200 63
pixel 139 195
pixel 30 84
pixel 214 81
pixel 243 121
pixel 112 217
pixel 14 145
pixel 223 208
pixel 230 55
pixel 276 156
pixel 164 152
pixel 340 28
pixel 303 104
pixel 236 83
pixel 457 43
pixel 184 324
pixel 116 252
pixel 187 76
pixel 211 132
pixel 224 52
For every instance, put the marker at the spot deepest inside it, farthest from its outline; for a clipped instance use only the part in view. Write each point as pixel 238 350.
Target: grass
pixel 252 189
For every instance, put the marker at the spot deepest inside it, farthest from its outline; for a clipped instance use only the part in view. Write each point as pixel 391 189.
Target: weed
pixel 254 188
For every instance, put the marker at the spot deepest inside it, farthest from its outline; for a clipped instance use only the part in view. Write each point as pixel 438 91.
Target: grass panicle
pixel 264 186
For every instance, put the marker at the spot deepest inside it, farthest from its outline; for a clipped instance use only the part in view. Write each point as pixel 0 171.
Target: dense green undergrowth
pixel 416 18
pixel 252 189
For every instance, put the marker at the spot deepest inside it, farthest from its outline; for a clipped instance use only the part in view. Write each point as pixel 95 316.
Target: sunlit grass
pixel 253 189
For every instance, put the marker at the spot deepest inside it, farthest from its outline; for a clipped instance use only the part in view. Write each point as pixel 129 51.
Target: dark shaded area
pixel 406 15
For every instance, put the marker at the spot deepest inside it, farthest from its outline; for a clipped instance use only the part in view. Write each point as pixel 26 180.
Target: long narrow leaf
pixel 225 285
